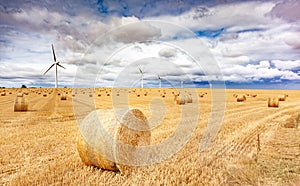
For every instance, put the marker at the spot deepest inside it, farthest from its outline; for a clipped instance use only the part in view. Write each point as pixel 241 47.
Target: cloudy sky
pixel 246 44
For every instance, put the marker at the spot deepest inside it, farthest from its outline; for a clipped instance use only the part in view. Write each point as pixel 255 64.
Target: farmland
pixel 255 145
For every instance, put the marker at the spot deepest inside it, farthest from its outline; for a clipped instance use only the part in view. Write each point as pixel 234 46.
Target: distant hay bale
pixel 235 95
pixel 163 95
pixel 188 98
pixel 273 102
pixel 253 95
pixel 3 93
pixel 63 97
pixel 107 94
pixel 20 104
pixel 282 97
pixel 179 100
pixel 241 98
pixel 45 95
pixel 138 95
pixel 91 95
pixel 99 95
pixel 20 94
pixel 112 145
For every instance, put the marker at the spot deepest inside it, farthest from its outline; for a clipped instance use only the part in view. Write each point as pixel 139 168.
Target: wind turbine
pixel 56 63
pixel 142 79
pixel 181 83
pixel 159 81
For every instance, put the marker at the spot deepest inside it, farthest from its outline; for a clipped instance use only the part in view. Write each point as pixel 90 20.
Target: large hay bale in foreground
pixel 273 102
pixel 103 136
pixel 3 93
pixel 241 98
pixel 293 121
pixel 20 104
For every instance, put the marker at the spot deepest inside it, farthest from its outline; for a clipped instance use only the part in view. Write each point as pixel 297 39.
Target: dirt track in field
pixel 39 146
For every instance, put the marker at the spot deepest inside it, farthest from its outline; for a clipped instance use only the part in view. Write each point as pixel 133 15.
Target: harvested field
pixel 38 146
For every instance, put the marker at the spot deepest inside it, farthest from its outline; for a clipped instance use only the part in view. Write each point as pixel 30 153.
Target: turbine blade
pixel 60 65
pixel 49 69
pixel 53 53
pixel 140 70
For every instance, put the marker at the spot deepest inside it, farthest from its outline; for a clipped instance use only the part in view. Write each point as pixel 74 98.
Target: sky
pixel 105 43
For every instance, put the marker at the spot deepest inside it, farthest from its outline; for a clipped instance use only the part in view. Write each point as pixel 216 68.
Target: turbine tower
pixel 181 83
pixel 56 63
pixel 142 77
pixel 159 81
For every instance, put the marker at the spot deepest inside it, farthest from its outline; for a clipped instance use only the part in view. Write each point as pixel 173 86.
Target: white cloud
pixel 286 65
pixel 254 45
pixel 167 52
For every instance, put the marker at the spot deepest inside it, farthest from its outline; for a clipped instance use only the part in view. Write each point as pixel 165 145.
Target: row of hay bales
pixel 272 102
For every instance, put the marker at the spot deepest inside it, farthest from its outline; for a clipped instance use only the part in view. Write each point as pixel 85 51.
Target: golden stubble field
pixel 38 147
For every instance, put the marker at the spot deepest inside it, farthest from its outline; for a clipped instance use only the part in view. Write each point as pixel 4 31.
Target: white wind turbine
pixel 56 63
pixel 159 81
pixel 142 77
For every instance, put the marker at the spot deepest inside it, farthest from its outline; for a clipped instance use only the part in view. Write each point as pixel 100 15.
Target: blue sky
pixel 246 44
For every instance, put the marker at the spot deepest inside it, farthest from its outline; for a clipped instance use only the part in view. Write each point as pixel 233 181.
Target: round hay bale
pixel 107 94
pixel 99 95
pixel 188 98
pixel 103 135
pixel 179 100
pixel 45 95
pixel 20 94
pixel 282 97
pixel 163 95
pixel 20 104
pixel 253 95
pixel 63 97
pixel 3 93
pixel 240 98
pixel 273 102
pixel 90 95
